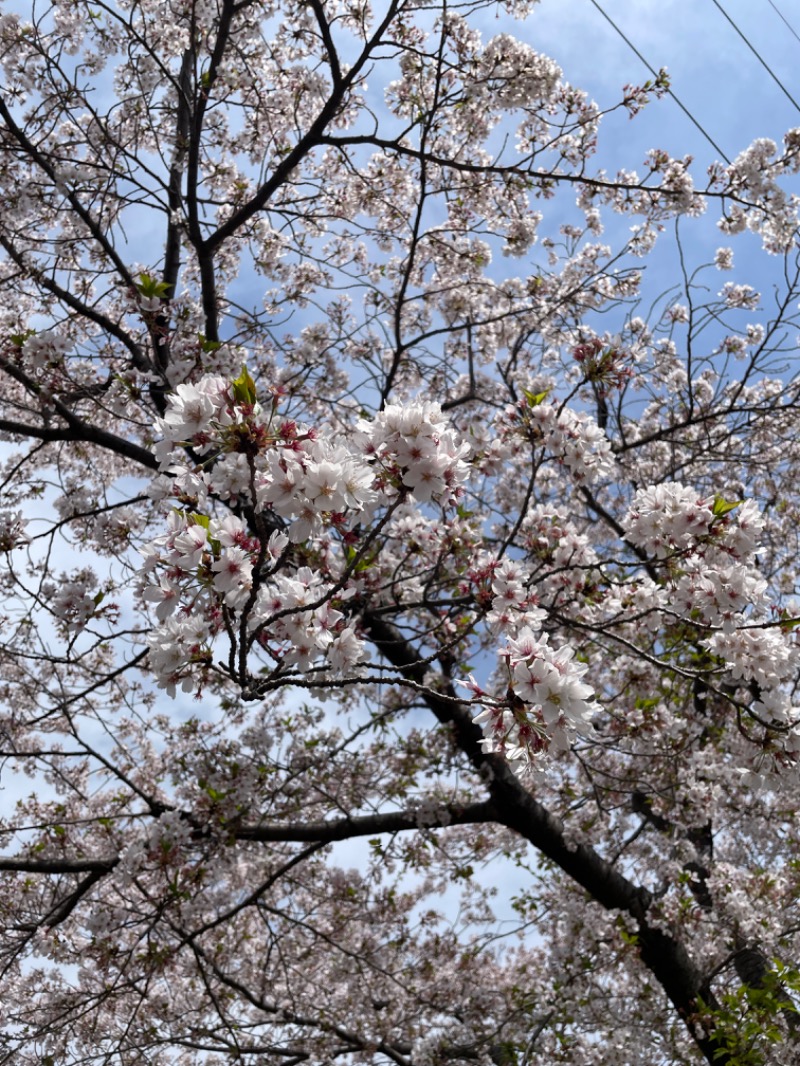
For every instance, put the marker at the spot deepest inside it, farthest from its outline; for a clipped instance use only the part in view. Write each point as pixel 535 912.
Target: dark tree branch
pixel 139 359
pixel 58 866
pixel 664 956
pixel 81 432
pixel 313 138
pixel 370 824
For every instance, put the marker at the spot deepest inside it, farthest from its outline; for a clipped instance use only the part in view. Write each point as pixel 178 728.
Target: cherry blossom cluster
pixel 304 624
pixel 573 438
pixel 546 701
pixel 512 75
pixel 671 518
pixel 45 349
pixel 197 554
pixel 12 530
pixel 306 480
pixel 270 464
pixel 74 599
pixel 207 413
pixel 303 474
pixel 766 764
pixel 757 654
pixel 576 440
pixel 605 365
pixel 415 447
pixel 204 574
pixel 718 594
pixel 509 587
pixel 707 545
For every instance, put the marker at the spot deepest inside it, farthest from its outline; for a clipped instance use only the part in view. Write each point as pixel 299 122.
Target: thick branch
pixel 311 139
pixel 370 824
pixel 57 866
pixel 204 252
pixel 80 432
pixel 81 308
pixel 517 809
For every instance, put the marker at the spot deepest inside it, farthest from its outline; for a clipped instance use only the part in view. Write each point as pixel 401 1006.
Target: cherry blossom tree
pixel 398 633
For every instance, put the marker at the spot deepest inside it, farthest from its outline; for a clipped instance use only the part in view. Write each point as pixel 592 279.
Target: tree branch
pixel 665 957
pixel 371 824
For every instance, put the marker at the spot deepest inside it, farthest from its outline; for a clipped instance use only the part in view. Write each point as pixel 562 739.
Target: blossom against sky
pixel 713 73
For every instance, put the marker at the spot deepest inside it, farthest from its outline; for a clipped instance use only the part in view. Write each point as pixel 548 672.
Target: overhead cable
pixel 654 72
pixel 766 67
pixel 783 18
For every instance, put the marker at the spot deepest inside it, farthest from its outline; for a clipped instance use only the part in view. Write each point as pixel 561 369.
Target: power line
pixel 774 76
pixel 684 109
pixel 783 18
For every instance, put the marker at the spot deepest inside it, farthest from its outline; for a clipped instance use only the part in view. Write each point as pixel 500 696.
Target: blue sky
pixel 717 79
pixel 713 72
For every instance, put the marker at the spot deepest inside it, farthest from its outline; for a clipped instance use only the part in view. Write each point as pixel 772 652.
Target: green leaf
pixel 244 388
pixel 722 506
pixel 535 398
pixel 152 288
pixel 19 338
pixel 207 346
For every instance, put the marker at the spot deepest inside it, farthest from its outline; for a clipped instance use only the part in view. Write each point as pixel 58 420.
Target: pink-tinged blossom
pixel 575 440
pixel 231 476
pixel 73 600
pixel 743 296
pixel 191 410
pixel 277 545
pixel 279 489
pixel 766 656
pixel 716 580
pixel 229 531
pixel 418 440
pixel 321 486
pixel 723 259
pixel 189 547
pixel 166 596
pixel 345 652
pixel 174 647
pixel 12 530
pixel 233 576
pixel 514 598
pixel 667 518
pixel 548 677
pixel 44 349
pixel 547 701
